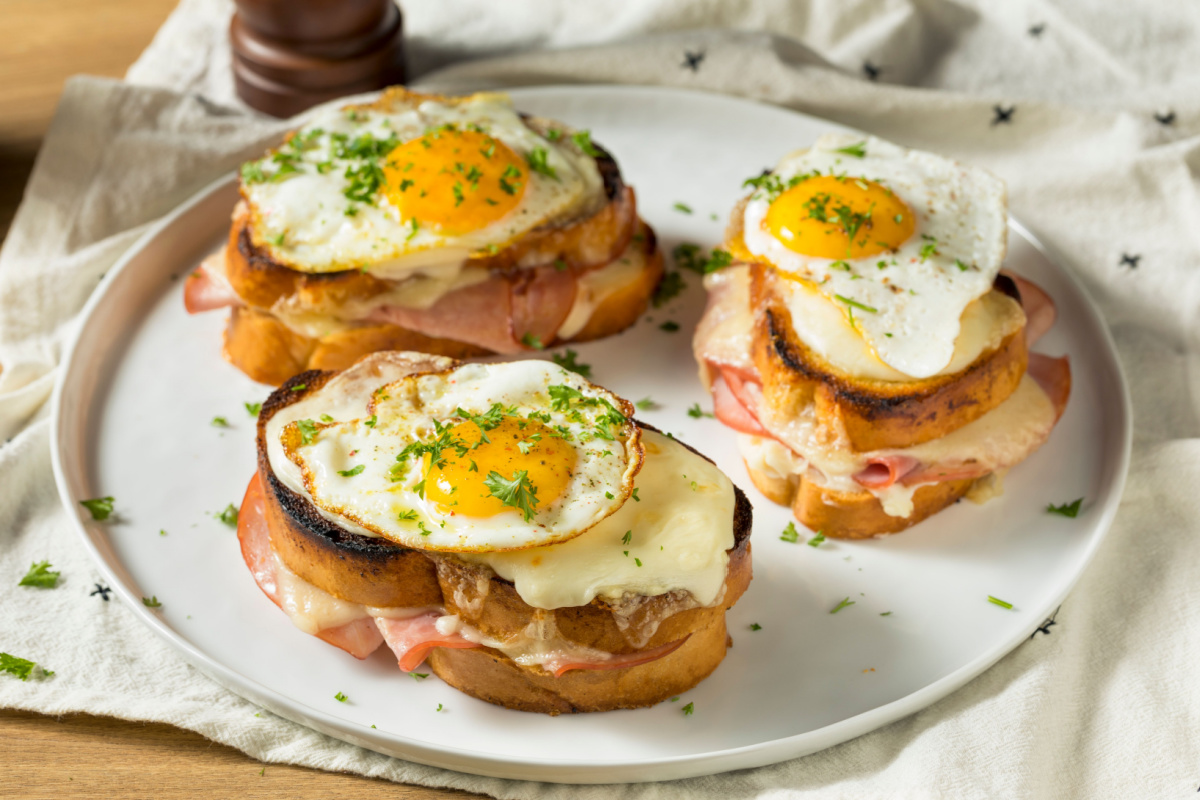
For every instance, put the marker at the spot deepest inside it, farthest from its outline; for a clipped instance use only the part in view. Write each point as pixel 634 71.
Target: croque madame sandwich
pixel 509 524
pixel 865 345
pixel 449 225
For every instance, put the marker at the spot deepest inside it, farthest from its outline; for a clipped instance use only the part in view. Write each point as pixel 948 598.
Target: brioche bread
pixel 680 641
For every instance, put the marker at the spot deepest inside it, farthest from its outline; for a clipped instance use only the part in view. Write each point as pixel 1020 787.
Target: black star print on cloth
pixel 1045 626
pixel 103 591
pixel 871 71
pixel 1165 119
pixel 692 60
pixel 1036 30
pixel 1002 114
pixel 1130 261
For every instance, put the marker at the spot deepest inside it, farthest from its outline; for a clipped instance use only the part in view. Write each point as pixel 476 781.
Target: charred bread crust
pixel 854 515
pixel 493 677
pixel 875 414
pixel 377 572
pixel 260 345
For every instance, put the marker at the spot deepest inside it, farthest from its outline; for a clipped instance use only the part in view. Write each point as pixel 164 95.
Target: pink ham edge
pixel 412 638
pixel 730 410
pixel 359 638
pixel 1040 311
pixel 206 290
pixel 1054 376
pixel 883 471
pixel 616 662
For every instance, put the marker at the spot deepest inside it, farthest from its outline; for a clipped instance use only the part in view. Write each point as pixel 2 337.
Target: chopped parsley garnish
pixel 162 532
pixel 308 430
pixel 350 473
pixel 538 163
pixel 688 256
pixel 886 614
pixel 843 604
pixel 299 387
pixel 419 676
pixel 21 667
pixel 340 697
pixel 771 186
pixel 560 265
pixel 858 150
pixel 567 361
pixel 609 495
pixel 856 304
pixel 553 134
pixel 670 326
pixel 929 248
pixel 998 602
pixel 961 266
pixel 421 523
pixel 583 140
pixel 633 494
pixel 842 265
pixel 253 408
pixel 151 602
pixel 518 492
pixel 816 540
pixel 371 421
pixel 637 561
pixel 413 226
pixel 41 576
pixel 529 340
pixel 252 172
pixel 407 515
pixel 754 626
pixel 689 709
pixel 219 422
pixel 695 412
pixel 229 516
pixel 683 208
pixel 487 420
pixel 627 538
pixel 326 418
pixel 1066 509
pixel 101 508
pixel 646 404
pixel 790 534
pixel 670 287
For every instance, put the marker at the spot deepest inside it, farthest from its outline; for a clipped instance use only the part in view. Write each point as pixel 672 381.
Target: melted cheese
pixel 596 286
pixel 679 533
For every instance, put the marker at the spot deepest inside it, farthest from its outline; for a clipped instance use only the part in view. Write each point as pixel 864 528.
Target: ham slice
pixel 731 411
pixel 359 637
pixel 559 665
pixel 1040 311
pixel 412 638
pixel 497 313
pixel 206 288
pixel 1054 376
pixel 883 471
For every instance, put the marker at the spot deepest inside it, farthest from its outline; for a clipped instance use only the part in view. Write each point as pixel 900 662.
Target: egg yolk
pixel 839 217
pixel 456 483
pixel 454 181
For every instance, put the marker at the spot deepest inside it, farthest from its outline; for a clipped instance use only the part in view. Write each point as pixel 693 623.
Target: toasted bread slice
pixel 267 350
pixel 493 677
pixel 877 414
pixel 377 572
pixel 853 515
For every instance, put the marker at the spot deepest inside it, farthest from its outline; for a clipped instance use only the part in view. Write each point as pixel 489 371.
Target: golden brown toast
pixel 876 414
pixel 377 572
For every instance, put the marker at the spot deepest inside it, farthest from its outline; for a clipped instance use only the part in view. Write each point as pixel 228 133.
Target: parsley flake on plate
pixel 219 422
pixel 998 602
pixel 101 508
pixel 41 576
pixel 670 326
pixel 689 709
pixel 668 289
pixel 695 412
pixel 253 408
pixel 844 604
pixel 1066 509
pixel 151 602
pixel 229 516
pixel 340 697
pixel 683 208
pixel 568 362
pixel 816 540
pixel 646 404
pixel 754 626
pixel 790 534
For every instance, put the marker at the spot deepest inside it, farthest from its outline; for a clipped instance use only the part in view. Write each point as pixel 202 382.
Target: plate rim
pixel 563 770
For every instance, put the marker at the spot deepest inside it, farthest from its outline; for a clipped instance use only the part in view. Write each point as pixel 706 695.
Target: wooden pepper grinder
pixel 289 55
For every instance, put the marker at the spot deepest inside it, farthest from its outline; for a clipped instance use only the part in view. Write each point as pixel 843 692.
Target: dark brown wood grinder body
pixel 289 55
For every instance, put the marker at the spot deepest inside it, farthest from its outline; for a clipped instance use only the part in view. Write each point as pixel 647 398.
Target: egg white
pixel 917 299
pixel 301 217
pixel 376 497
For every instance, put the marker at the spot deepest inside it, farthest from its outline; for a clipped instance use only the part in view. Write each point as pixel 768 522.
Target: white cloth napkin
pixel 1100 149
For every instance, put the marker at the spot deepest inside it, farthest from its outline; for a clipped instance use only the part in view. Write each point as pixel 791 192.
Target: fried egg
pixel 482 457
pixel 415 182
pixel 899 240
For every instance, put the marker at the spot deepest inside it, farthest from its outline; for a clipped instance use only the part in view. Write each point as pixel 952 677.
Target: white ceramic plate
pixel 143 381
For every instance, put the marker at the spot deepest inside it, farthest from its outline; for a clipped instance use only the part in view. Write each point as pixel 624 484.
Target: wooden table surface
pixel 81 755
